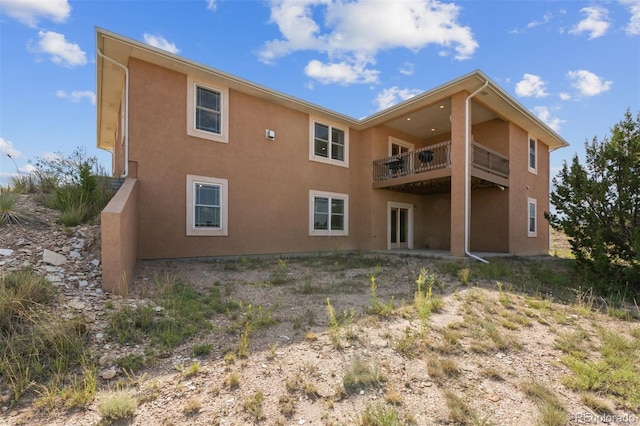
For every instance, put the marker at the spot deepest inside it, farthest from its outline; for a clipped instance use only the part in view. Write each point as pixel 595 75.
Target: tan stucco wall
pixel 522 185
pixel 269 181
pixel 489 225
pixel 119 233
pixel 458 135
pixel 493 134
pixel 436 217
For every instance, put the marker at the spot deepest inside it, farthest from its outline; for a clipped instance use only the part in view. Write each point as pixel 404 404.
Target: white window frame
pixel 533 169
pixel 223 230
pixel 532 202
pixel 399 142
pixel 223 136
pixel 330 195
pixel 312 135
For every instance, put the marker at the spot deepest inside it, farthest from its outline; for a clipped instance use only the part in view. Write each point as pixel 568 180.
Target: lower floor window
pixel 532 231
pixel 206 206
pixel 328 213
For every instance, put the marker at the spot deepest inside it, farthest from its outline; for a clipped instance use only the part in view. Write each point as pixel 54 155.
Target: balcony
pixel 489 161
pixel 428 170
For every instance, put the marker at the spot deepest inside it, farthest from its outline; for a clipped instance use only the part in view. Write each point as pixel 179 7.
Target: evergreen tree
pixel 598 206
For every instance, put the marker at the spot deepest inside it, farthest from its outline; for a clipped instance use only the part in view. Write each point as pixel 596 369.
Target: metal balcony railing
pixel 489 160
pixel 421 160
pixel 435 157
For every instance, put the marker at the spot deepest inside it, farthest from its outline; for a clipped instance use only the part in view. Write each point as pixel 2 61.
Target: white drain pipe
pixel 126 111
pixel 467 181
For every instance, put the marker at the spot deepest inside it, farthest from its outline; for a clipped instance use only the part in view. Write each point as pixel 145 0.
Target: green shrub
pixel 24 184
pixel 380 415
pixel 36 346
pixel 118 406
pixel 362 374
pixel 597 207
pixel 78 186
pixel 181 312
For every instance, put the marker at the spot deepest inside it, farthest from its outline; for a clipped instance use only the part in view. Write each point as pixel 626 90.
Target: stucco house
pixel 214 165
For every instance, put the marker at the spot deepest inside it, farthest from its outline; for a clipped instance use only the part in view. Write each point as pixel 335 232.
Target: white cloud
pixel 341 72
pixel 596 23
pixel 588 83
pixel 531 85
pixel 160 42
pixel 6 148
pixel 544 114
pixel 77 95
pixel 406 68
pixel 564 96
pixel 61 51
pixel 354 32
pixel 545 19
pixel 633 28
pixel 211 5
pixel 49 155
pixel 29 12
pixel 394 95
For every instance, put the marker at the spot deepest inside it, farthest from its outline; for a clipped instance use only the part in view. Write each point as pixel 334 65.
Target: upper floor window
pixel 329 143
pixel 328 213
pixel 532 220
pixel 207 111
pixel 533 155
pixel 207 206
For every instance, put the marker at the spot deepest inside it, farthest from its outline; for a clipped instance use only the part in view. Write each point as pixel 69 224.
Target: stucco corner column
pixel 457 173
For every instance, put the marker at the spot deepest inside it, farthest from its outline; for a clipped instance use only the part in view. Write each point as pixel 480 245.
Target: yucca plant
pixel 8 212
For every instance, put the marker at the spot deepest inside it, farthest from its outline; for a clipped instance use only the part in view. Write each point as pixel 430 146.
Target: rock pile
pixel 69 258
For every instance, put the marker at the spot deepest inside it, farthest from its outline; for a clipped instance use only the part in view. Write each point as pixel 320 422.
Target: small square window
pixel 328 144
pixel 328 213
pixel 207 206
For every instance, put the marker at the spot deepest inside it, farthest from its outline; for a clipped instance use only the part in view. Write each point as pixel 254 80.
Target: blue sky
pixel 575 64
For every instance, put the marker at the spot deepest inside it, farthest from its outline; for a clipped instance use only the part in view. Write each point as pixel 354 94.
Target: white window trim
pixel 535 218
pixel 312 150
pixel 400 142
pixel 223 137
pixel 533 170
pixel 328 232
pixel 192 180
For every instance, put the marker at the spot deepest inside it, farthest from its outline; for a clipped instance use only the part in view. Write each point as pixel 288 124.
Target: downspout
pixel 126 111
pixel 467 181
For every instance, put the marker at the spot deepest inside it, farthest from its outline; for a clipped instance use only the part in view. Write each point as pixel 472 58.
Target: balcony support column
pixel 458 182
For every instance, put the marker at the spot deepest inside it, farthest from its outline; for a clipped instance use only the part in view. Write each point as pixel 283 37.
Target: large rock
pixel 53 258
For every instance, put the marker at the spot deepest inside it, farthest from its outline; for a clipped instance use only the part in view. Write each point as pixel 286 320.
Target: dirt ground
pixel 298 365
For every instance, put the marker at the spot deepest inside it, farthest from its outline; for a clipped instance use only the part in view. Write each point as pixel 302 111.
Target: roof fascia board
pixel 467 82
pixel 163 58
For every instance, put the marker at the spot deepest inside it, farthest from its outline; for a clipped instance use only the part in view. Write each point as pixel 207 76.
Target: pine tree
pixel 598 206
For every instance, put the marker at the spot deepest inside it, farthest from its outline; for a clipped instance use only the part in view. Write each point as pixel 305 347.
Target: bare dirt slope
pixel 469 362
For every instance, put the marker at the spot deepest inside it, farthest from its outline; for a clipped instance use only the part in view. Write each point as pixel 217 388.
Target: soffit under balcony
pixel 434 120
pixel 439 186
